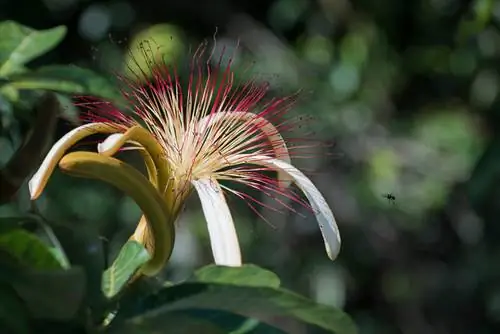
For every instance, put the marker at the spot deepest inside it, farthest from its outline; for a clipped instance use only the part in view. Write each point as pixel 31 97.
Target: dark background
pixel 407 91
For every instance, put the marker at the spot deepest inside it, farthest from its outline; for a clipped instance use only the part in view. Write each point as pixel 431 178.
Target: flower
pixel 192 137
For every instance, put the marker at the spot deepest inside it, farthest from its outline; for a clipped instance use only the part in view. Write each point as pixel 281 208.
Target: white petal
pixel 38 180
pixel 322 211
pixel 277 142
pixel 109 142
pixel 223 237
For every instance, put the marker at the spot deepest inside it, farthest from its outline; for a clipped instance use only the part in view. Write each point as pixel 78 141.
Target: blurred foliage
pixel 406 90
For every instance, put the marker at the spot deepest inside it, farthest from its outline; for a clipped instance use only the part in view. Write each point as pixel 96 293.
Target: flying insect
pixel 390 197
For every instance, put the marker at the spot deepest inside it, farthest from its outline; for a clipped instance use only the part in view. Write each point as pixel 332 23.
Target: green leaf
pixel 13 313
pixel 131 257
pixel 246 275
pixel 28 221
pixel 70 111
pixel 46 294
pixel 234 323
pixel 20 44
pixel 84 248
pixel 260 303
pixel 67 79
pixel 7 224
pixel 54 294
pixel 173 322
pixel 28 249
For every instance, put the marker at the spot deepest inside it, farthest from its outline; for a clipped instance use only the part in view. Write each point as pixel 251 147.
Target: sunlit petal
pixel 277 142
pixel 39 179
pixel 322 211
pixel 223 237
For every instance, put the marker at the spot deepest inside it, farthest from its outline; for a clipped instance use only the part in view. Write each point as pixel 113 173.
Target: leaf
pixel 20 44
pixel 234 323
pixel 84 248
pixel 246 275
pixel 173 322
pixel 46 294
pixel 54 294
pixel 8 224
pixel 131 257
pixel 29 155
pixel 67 79
pixel 28 249
pixel 13 313
pixel 69 111
pixel 485 179
pixel 260 303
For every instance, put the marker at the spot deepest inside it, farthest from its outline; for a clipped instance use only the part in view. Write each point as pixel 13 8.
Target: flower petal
pixel 106 147
pixel 157 232
pixel 146 140
pixel 223 237
pixel 322 211
pixel 39 179
pixel 277 142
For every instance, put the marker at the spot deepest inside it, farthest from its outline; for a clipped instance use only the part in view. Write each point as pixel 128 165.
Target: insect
pixel 390 197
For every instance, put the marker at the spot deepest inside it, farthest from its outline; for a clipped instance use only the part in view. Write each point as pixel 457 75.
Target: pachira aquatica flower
pixel 199 136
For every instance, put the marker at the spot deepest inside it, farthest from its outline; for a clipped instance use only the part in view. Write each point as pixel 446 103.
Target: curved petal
pixel 223 237
pixel 322 211
pixel 144 138
pixel 39 179
pixel 109 147
pixel 158 235
pixel 277 142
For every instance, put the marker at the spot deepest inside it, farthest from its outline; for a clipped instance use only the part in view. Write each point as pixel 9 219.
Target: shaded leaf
pixel 246 275
pixel 13 313
pixel 20 44
pixel 234 323
pixel 261 303
pixel 69 111
pixel 8 224
pixel 54 294
pixel 84 248
pixel 131 257
pixel 174 322
pixel 67 79
pixel 482 186
pixel 46 294
pixel 30 154
pixel 28 249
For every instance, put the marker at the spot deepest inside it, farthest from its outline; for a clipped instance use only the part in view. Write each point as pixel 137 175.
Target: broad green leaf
pixel 246 275
pixel 84 248
pixel 54 294
pixel 5 106
pixel 260 303
pixel 234 323
pixel 485 180
pixel 13 313
pixel 9 93
pixel 131 257
pixel 20 44
pixel 7 224
pixel 47 294
pixel 67 79
pixel 173 322
pixel 28 249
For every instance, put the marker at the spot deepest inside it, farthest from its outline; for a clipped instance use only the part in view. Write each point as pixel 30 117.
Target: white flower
pixel 193 138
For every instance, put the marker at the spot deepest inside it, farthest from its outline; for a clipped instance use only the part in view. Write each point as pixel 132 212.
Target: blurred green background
pixel 408 93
